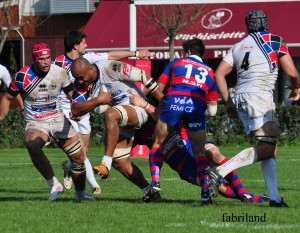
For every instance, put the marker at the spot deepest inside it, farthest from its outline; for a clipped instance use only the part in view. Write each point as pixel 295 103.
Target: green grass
pixel 24 206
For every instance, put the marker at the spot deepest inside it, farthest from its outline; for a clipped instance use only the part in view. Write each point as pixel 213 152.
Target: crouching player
pixel 178 155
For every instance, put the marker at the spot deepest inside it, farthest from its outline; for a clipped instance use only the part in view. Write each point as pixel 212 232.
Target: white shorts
pixel 58 128
pixel 141 114
pixel 255 109
pixel 83 126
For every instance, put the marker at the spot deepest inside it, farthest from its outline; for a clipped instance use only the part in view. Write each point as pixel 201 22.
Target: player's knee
pixel 122 113
pixel 266 139
pixel 121 153
pixel 74 151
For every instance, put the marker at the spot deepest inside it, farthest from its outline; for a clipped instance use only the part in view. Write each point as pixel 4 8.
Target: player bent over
pixel 121 119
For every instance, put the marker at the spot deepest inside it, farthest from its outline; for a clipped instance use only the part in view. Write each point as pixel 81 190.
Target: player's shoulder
pixel 60 58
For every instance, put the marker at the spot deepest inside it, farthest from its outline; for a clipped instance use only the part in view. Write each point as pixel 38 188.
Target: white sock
pixel 268 168
pixel 242 159
pixel 90 178
pixel 108 161
pixel 52 181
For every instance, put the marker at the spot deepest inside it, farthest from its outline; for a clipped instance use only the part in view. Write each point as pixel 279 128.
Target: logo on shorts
pixel 216 18
pixel 195 125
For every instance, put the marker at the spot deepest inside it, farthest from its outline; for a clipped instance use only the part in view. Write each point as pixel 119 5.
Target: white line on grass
pixel 249 225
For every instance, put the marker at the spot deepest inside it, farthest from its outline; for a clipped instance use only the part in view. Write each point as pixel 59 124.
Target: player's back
pixel 190 76
pixel 257 66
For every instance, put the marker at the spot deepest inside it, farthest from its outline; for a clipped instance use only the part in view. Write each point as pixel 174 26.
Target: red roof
pixel 220 26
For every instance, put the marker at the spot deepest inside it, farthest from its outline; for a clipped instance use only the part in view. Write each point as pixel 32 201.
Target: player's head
pixel 41 56
pixel 194 47
pixel 75 40
pixel 83 72
pixel 256 21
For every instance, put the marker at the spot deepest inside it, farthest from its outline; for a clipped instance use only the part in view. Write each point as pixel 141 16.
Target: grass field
pixel 24 206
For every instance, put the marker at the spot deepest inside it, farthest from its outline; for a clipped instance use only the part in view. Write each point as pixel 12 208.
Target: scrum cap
pixel 256 21
pixel 40 49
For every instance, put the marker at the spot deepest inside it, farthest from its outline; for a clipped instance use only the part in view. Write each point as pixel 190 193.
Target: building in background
pixel 107 25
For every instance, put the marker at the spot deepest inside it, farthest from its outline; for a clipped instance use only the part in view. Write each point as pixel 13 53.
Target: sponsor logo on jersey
pixel 43 108
pixel 126 69
pixel 41 99
pixel 36 116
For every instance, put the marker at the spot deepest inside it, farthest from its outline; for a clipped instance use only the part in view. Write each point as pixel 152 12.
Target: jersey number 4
pixel 245 63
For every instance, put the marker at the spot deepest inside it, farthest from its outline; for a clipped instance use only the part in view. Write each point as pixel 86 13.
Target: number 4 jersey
pixel 256 59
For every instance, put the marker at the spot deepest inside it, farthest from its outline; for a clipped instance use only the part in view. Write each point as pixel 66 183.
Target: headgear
pixel 40 49
pixel 256 21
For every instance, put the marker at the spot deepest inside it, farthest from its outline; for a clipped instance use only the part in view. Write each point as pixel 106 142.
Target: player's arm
pixel 289 68
pixel 137 100
pixel 223 69
pixel 5 103
pixel 119 55
pixel 80 106
pixel 212 108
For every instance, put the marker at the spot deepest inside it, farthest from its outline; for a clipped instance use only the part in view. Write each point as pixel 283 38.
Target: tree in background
pixel 172 18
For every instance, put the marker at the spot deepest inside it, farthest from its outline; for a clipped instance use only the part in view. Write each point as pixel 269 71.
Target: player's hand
pixel 137 100
pixel 231 110
pixel 144 54
pixel 294 95
pixel 74 118
pixel 104 98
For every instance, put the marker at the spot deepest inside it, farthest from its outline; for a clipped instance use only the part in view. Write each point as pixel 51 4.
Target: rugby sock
pixel 242 159
pixel 234 181
pixel 90 178
pixel 257 198
pixel 269 171
pixel 201 164
pixel 228 192
pixel 52 181
pixel 156 163
pixel 108 160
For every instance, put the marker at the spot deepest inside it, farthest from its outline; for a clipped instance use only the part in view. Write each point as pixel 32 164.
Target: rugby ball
pixel 102 107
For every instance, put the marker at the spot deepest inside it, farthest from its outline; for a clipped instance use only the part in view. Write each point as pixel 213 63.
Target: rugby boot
pixel 102 171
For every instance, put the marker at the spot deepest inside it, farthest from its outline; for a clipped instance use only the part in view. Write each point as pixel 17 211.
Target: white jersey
pixel 256 61
pixel 120 90
pixel 66 62
pixel 4 76
pixel 121 82
pixel 40 93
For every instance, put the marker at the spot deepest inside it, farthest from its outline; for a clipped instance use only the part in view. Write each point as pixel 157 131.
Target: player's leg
pixel 197 139
pixel 69 141
pixel 115 117
pixel 36 137
pixel 161 133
